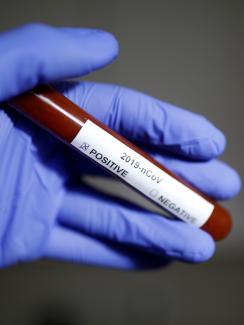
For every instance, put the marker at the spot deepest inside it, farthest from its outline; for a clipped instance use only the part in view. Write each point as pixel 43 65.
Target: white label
pixel 141 174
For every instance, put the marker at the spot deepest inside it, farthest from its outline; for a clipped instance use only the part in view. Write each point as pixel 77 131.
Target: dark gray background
pixel 189 53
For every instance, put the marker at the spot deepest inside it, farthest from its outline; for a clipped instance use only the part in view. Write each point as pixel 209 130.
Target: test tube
pixel 73 125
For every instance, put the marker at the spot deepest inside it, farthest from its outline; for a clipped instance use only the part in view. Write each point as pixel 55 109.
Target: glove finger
pixel 147 120
pixel 68 245
pixel 214 178
pixel 101 216
pixel 38 53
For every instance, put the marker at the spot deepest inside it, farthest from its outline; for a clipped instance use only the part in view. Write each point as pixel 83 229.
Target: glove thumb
pixel 38 53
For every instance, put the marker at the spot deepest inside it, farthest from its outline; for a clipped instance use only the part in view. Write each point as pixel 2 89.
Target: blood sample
pixel 74 126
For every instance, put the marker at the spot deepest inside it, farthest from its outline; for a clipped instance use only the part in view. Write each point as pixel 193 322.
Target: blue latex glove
pixel 44 210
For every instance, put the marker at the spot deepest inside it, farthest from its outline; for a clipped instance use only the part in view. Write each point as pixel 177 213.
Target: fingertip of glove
pixel 215 142
pixel 200 248
pixel 231 184
pixel 108 37
pixel 211 140
pixel 196 245
pixel 102 42
pixel 219 180
pixel 219 143
pixel 110 41
pixel 205 148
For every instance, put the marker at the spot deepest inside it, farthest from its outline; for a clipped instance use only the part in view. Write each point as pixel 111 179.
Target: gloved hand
pixel 44 210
